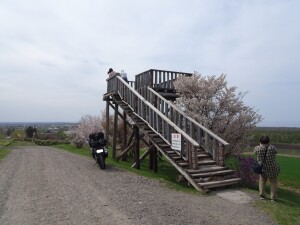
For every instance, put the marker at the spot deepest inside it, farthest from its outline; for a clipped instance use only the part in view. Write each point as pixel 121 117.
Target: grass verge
pixel 167 173
pixel 286 210
pixel 4 152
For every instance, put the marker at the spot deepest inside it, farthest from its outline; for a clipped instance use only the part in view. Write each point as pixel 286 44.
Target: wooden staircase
pixel 206 176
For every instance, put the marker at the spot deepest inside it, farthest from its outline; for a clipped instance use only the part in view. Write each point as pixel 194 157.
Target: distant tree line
pixel 44 135
pixel 277 135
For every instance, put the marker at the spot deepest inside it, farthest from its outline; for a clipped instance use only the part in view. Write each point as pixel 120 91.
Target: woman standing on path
pixel 271 168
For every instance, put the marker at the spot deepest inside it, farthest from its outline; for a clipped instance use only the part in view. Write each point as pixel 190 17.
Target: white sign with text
pixel 176 141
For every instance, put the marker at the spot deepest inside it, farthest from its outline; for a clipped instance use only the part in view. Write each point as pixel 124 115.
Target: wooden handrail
pixel 156 119
pixel 157 79
pixel 192 141
pixel 215 146
pixel 213 135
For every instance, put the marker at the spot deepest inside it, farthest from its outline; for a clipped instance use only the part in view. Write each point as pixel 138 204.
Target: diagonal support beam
pixel 143 156
pixel 125 151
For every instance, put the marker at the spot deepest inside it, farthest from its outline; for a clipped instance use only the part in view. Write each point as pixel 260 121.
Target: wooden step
pixel 148 130
pixel 203 162
pixel 220 183
pixel 164 146
pixel 162 143
pixel 206 162
pixel 212 173
pixel 177 157
pixel 171 152
pixel 174 156
pixel 206 169
pixel 140 123
pixel 203 156
pixel 158 139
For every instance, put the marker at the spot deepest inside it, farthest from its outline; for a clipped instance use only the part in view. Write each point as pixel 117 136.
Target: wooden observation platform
pixel 145 106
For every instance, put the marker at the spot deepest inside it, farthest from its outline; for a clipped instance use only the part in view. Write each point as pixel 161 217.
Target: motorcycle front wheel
pixel 101 161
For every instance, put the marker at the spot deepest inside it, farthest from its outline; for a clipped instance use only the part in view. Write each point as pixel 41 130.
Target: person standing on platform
pixel 111 73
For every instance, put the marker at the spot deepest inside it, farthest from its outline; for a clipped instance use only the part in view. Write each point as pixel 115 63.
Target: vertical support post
pixel 124 130
pixel 107 121
pixel 184 148
pixel 153 79
pixel 124 141
pixel 192 130
pixel 155 169
pixel 215 151
pixel 199 136
pixel 137 146
pixel 207 149
pixel 221 155
pixel 194 157
pixel 186 125
pixel 151 157
pixel 189 154
pixel 114 150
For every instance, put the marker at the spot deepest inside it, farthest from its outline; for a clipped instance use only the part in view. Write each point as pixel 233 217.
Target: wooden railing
pixel 156 119
pixel 157 79
pixel 209 141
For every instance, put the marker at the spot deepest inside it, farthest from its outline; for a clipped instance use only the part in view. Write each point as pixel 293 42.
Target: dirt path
pixel 42 185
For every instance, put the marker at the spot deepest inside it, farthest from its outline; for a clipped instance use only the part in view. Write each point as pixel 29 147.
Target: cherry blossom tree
pixel 220 108
pixel 88 124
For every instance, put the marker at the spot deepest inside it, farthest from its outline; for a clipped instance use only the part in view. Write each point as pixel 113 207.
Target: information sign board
pixel 176 141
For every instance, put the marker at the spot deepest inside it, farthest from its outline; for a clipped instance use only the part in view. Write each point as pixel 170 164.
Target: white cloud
pixel 55 54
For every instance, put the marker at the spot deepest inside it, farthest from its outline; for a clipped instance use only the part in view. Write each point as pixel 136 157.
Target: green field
pixel 289 152
pixel 287 209
pixel 289 176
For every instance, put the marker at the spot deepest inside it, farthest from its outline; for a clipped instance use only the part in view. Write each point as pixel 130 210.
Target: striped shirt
pixel 270 167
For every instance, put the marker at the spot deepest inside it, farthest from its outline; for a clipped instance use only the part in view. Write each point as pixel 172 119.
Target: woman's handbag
pixel 257 167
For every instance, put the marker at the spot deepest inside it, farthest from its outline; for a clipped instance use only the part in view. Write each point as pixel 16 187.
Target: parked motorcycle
pixel 98 148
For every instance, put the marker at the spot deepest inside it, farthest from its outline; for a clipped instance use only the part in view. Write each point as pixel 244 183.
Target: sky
pixel 55 54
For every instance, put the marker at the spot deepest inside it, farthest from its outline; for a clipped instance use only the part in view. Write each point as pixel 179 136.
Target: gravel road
pixel 43 185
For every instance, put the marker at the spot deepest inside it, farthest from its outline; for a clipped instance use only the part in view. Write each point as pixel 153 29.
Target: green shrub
pixel 242 166
pixel 6 142
pixel 50 142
